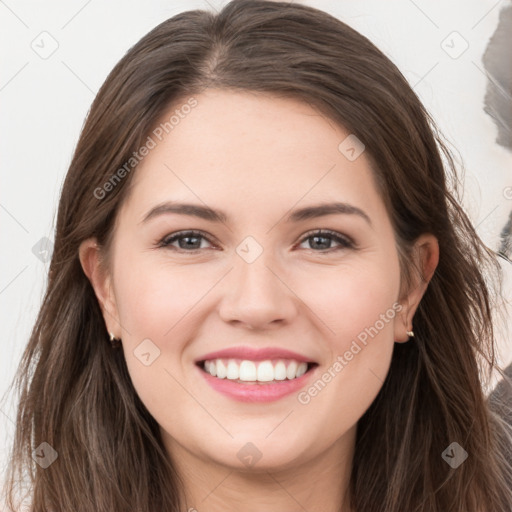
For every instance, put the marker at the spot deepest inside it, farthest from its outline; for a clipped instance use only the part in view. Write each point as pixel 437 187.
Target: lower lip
pixel 257 392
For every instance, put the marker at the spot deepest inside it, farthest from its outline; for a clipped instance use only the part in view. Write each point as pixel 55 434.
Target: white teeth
pixel 280 371
pixel 262 371
pixel 265 371
pixel 247 370
pixel 301 370
pixel 233 370
pixel 222 371
pixel 291 371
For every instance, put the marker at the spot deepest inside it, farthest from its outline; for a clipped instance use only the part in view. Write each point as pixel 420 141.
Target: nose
pixel 256 295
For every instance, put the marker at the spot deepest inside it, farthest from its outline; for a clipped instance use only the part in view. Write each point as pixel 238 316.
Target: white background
pixel 44 102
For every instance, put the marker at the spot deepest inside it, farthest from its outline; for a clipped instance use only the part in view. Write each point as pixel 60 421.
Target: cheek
pixel 156 302
pixel 359 308
pixel 351 299
pixel 159 302
pixel 154 299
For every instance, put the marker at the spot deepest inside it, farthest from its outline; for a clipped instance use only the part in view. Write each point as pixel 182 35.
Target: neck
pixel 320 484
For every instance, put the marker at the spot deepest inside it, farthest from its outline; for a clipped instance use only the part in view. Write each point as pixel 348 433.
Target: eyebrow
pixel 300 214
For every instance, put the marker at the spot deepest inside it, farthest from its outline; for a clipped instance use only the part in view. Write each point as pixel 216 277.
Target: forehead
pixel 252 150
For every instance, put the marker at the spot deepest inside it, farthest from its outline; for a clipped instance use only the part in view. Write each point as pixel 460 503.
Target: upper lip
pixel 254 354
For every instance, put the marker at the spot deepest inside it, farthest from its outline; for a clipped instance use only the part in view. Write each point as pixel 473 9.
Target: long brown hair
pixel 75 390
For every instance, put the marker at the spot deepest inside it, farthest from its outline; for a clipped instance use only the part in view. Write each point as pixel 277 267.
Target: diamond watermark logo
pixel 249 454
pixel 45 45
pixel 45 455
pixel 351 147
pixel 249 249
pixel 454 455
pixel 146 352
pixel 454 45
pixel 43 249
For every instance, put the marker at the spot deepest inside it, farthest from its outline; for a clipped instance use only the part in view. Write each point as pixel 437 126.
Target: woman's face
pixel 258 279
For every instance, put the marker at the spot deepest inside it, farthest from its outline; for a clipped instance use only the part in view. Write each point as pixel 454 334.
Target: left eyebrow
pixel 312 212
pixel 206 213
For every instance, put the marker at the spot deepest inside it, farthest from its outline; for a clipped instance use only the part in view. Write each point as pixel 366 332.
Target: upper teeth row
pixel 263 371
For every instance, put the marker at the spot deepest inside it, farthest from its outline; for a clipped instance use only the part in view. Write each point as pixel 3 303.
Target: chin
pixel 257 454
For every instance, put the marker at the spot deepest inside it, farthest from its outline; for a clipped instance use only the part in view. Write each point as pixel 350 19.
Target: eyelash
pixel 344 241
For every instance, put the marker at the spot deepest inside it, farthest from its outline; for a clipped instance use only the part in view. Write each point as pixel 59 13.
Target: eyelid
pixel 334 234
pixel 343 240
pixel 168 239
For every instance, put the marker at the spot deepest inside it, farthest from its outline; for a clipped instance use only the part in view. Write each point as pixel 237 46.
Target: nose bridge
pixel 256 296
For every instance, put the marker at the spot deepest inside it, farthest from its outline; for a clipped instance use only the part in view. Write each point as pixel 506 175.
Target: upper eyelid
pixel 187 232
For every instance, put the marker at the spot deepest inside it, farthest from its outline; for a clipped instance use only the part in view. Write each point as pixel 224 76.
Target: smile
pixel 256 381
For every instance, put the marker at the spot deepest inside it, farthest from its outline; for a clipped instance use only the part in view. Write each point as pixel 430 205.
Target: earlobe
pixel 425 260
pixel 89 255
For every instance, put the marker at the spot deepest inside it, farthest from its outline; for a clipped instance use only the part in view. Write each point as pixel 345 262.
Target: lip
pixel 254 354
pixel 257 392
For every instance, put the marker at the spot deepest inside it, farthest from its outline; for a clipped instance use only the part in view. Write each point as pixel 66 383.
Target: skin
pixel 256 157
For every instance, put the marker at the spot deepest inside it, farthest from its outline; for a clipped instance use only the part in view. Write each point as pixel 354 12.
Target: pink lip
pixel 257 392
pixel 254 354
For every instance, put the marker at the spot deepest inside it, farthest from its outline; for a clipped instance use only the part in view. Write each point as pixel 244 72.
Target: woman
pixel 263 294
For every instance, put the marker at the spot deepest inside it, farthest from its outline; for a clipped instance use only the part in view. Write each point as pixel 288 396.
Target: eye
pixel 322 240
pixel 188 241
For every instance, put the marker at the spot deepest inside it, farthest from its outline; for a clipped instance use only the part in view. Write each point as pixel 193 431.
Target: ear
pixel 426 257
pixel 100 279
